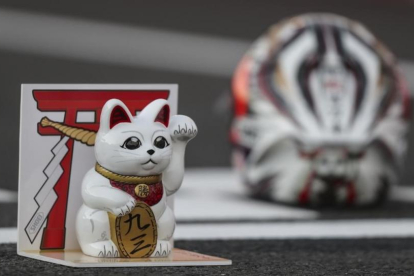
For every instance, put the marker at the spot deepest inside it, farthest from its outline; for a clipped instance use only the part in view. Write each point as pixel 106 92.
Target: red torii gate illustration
pixel 71 102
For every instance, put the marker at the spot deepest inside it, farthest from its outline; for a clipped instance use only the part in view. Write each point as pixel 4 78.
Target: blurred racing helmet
pixel 321 113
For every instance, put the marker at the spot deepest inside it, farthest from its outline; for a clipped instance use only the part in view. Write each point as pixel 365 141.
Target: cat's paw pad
pixel 124 210
pixel 163 249
pixel 182 128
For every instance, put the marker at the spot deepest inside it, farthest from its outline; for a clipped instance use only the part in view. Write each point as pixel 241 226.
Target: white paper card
pixel 52 165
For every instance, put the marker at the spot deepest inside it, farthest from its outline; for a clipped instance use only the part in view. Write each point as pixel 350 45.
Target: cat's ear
pixel 114 112
pixel 156 111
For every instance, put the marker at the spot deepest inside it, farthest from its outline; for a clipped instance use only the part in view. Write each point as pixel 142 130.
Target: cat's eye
pixel 160 142
pixel 131 143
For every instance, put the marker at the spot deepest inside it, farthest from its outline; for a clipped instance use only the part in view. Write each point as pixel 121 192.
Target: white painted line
pixel 72 38
pixel 7 196
pixel 334 229
pixel 216 194
pixel 203 188
pixel 8 235
pixel 349 229
pixel 110 43
pixel 408 70
pixel 402 194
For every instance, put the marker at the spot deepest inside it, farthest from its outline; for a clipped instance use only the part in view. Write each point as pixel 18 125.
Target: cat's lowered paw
pixel 182 128
pixel 124 210
pixel 101 249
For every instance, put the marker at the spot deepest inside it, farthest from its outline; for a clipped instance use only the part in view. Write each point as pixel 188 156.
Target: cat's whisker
pixel 167 157
pixel 122 158
pixel 128 152
pixel 125 161
pixel 117 156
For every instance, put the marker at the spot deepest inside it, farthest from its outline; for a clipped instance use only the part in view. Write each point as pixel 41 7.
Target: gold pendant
pixel 142 190
pixel 135 234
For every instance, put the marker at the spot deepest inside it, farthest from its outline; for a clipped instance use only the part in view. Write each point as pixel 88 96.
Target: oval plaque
pixel 135 234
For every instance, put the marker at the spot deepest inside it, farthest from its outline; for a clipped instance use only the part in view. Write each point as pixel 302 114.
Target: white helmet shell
pixel 321 113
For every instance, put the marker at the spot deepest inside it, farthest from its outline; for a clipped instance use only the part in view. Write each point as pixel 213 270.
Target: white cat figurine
pixel 147 148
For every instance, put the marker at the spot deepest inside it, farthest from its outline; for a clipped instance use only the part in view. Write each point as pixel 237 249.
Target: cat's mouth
pixel 149 162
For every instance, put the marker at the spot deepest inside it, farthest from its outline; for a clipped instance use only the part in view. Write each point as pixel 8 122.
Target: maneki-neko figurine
pixel 140 162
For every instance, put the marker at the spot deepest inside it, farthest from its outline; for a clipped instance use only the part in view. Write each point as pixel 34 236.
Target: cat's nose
pixel 151 152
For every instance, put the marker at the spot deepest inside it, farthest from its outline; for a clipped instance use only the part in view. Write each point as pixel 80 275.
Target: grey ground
pixel 261 257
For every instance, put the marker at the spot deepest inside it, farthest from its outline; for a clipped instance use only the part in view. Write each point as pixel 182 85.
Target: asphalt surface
pixel 258 257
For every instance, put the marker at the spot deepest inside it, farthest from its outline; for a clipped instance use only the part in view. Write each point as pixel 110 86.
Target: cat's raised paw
pixel 182 128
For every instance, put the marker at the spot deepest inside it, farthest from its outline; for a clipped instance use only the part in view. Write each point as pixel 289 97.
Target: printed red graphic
pixel 71 102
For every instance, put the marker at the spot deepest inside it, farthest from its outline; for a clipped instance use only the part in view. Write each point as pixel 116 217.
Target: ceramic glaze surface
pixel 139 159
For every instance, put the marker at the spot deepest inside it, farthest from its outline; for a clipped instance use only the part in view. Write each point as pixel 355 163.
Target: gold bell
pixel 142 190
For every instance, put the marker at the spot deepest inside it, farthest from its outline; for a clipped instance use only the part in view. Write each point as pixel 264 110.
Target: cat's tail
pixel 79 134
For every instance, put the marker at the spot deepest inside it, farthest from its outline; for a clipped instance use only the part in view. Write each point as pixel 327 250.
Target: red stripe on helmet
pixel 351 193
pixel 240 87
pixel 304 195
pixel 405 94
